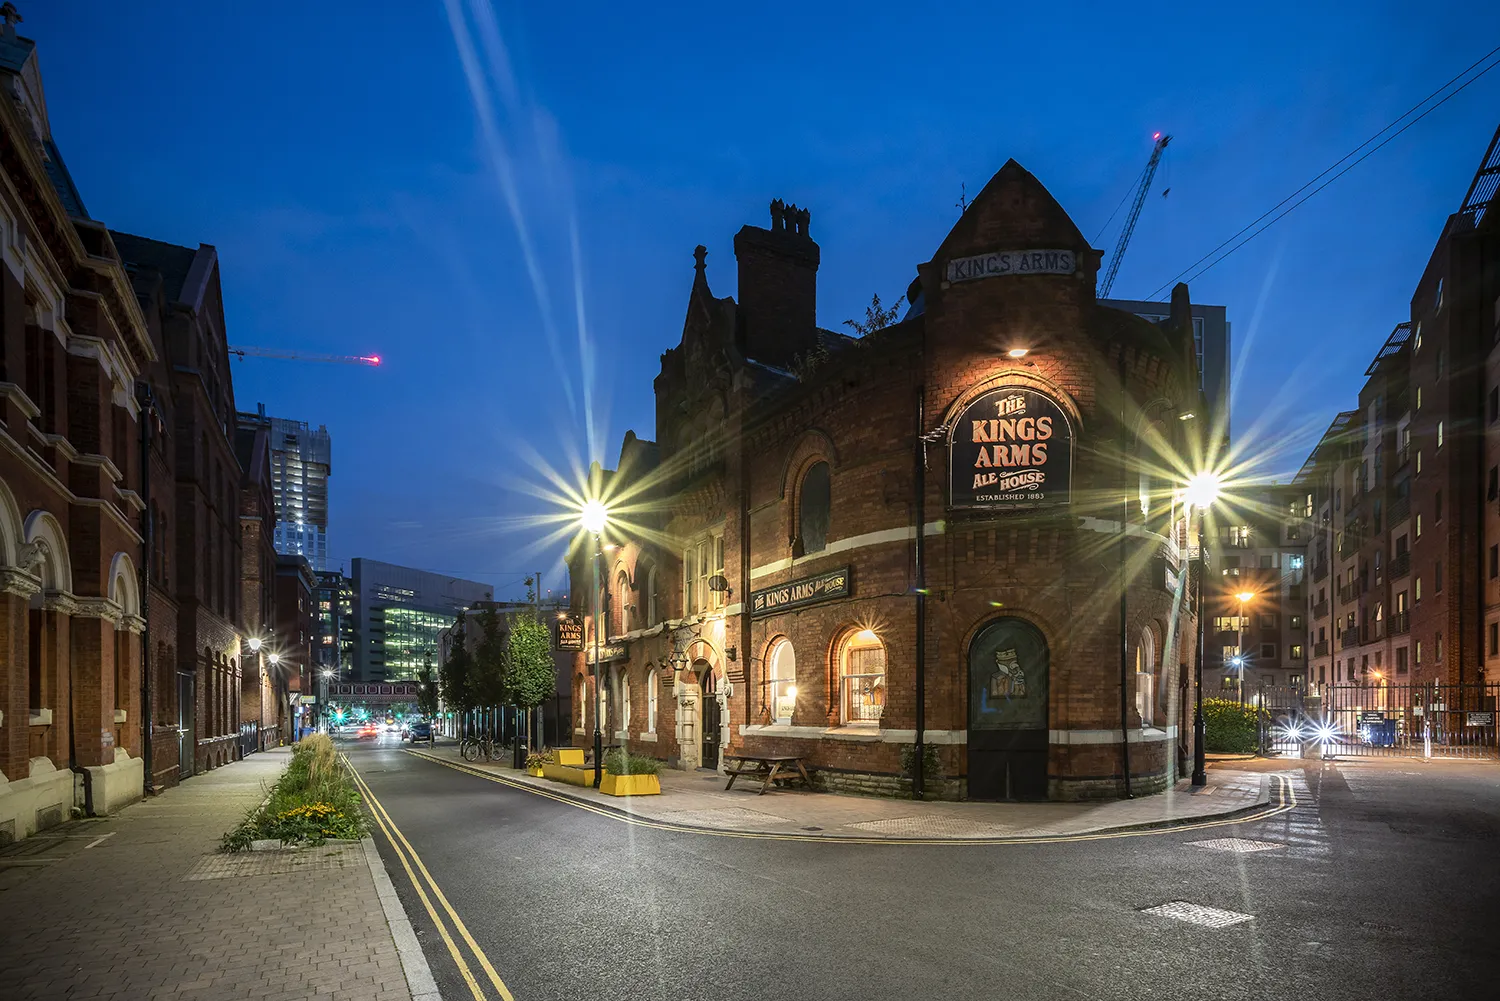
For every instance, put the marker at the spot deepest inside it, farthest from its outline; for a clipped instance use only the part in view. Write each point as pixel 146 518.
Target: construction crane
pixel 1135 213
pixel 371 360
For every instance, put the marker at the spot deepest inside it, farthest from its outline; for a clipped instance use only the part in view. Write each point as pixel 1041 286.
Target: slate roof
pixel 62 182
pixel 166 259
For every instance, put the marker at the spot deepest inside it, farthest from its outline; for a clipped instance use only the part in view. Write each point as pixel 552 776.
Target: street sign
pixel 1480 719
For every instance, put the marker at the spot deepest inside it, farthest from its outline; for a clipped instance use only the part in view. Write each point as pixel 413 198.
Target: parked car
pixel 420 730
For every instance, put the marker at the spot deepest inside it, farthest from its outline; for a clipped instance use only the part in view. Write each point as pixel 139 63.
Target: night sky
pixel 367 172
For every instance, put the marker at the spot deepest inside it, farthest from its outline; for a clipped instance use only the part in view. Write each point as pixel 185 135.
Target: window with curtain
pixel 781 681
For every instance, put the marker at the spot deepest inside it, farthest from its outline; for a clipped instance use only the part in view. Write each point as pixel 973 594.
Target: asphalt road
pixel 1384 883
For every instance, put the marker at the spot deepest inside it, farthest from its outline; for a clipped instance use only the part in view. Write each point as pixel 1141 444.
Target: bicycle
pixel 472 747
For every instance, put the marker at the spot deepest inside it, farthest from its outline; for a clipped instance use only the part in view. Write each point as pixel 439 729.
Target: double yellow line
pixel 427 891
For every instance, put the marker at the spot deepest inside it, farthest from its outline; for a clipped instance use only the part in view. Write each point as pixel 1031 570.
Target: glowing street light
pixel 255 644
pixel 273 658
pixel 594 516
pixel 1201 491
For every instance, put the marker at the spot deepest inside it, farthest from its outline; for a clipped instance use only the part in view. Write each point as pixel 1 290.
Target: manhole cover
pixel 1236 845
pixel 812 828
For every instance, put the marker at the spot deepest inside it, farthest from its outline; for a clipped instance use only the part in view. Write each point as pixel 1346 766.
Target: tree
pixel 532 677
pixel 876 316
pixel 490 660
pixel 456 674
pixel 427 691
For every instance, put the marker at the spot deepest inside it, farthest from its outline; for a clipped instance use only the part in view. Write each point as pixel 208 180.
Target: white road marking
pixel 1198 914
pixel 1237 845
pixel 98 840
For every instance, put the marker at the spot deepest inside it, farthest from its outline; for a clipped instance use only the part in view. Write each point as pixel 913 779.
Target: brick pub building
pixel 835 541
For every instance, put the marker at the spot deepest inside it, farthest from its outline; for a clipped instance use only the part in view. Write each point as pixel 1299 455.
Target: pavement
pixel 1378 880
pixel 698 801
pixel 141 906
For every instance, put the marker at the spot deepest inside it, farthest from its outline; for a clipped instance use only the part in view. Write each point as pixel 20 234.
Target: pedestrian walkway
pixel 698 799
pixel 139 906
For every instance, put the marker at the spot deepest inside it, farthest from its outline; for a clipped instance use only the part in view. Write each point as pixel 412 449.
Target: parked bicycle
pixel 472 748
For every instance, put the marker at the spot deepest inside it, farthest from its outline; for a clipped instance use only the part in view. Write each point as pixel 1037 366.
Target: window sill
pixel 649 736
pixel 854 731
pixel 622 734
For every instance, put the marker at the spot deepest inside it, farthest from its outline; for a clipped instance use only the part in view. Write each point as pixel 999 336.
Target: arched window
pixel 622 603
pixel 653 606
pixel 622 674
pixel 861 668
pixel 1145 677
pixel 581 700
pixel 781 681
pixel 653 688
pixel 813 500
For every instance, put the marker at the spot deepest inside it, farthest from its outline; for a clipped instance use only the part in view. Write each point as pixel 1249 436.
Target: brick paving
pixel 698 799
pixel 137 906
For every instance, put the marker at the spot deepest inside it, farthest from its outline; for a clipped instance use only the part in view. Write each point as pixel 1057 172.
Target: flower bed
pixel 313 801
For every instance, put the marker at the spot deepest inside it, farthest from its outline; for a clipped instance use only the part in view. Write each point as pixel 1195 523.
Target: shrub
pixel 537 759
pixel 932 765
pixel 1232 728
pixel 314 800
pixel 622 762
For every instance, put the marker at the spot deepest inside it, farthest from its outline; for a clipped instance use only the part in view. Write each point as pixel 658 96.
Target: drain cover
pixel 812 828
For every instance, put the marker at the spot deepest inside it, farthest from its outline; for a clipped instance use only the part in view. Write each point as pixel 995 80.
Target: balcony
pixel 1400 566
pixel 1349 593
pixel 1400 623
pixel 1320 570
pixel 1400 510
pixel 1320 648
pixel 1320 610
pixel 1346 639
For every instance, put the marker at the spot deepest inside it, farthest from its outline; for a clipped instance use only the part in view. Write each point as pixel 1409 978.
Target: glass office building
pixel 398 613
pixel 301 460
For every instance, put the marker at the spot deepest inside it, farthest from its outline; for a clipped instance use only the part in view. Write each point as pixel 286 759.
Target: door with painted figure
pixel 1009 670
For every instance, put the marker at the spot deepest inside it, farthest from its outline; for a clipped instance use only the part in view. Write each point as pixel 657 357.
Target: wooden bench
pixel 766 767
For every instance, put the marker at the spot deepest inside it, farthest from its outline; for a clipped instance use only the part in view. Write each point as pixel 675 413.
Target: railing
pixel 1320 648
pixel 863 697
pixel 1349 592
pixel 1403 456
pixel 1320 570
pixel 1346 639
pixel 1320 609
pixel 1400 511
pixel 1400 566
pixel 1400 623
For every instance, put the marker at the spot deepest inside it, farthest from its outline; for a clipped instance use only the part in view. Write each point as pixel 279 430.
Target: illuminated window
pixel 1440 434
pixel 621 616
pixel 781 681
pixel 653 695
pixel 653 605
pixel 1145 678
pixel 862 678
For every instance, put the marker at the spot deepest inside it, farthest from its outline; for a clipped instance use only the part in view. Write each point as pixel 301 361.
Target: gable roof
pixel 170 261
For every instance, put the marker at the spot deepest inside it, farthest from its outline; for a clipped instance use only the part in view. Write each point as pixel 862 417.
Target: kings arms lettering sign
pixel 1012 262
pixel 806 591
pixel 1010 448
pixel 570 633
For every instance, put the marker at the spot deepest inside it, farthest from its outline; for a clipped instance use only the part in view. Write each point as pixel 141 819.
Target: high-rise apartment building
pixel 334 646
pixel 1403 493
pixel 399 612
pixel 301 459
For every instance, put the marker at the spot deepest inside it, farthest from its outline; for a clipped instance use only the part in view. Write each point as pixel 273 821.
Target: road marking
pixel 1198 914
pixel 1241 845
pixel 453 949
pixel 99 840
pixel 437 891
pixel 1286 801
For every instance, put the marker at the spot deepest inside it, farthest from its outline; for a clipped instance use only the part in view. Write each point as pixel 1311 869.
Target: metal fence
pixel 1360 720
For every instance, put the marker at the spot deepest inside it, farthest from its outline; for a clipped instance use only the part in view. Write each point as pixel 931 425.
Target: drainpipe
pixel 1124 637
pixel 147 402
pixel 918 785
pixel 745 633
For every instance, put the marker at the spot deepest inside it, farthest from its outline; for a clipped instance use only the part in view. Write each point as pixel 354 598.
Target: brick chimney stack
pixel 778 287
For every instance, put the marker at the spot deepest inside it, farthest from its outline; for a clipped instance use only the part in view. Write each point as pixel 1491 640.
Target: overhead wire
pixel 1193 271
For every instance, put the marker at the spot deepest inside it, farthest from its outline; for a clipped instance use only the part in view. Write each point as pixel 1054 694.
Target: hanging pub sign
pixel 570 633
pixel 1010 448
pixel 794 594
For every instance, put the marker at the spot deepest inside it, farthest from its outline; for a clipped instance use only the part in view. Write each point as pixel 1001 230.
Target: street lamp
pixel 1244 598
pixel 594 516
pixel 1202 490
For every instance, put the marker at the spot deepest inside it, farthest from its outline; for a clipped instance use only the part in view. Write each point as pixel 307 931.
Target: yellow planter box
pixel 630 785
pixel 574 775
pixel 568 755
pixel 535 772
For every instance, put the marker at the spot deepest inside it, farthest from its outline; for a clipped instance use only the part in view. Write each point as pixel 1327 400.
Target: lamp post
pixel 594 517
pixel 1244 598
pixel 1202 491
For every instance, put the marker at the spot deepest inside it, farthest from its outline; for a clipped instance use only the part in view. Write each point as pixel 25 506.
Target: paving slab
pixel 141 905
pixel 698 800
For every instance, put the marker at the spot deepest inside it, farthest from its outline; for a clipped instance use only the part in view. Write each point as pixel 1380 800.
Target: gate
pixel 1381 720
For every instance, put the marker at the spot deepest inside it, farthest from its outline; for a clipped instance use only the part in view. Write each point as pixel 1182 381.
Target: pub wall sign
pixel 1011 262
pixel 1010 448
pixel 796 593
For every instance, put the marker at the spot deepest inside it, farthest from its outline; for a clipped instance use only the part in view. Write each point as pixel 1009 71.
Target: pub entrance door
pixel 710 728
pixel 1008 685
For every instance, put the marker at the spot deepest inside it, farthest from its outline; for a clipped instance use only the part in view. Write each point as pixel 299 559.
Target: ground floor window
pixel 782 681
pixel 862 677
pixel 653 695
pixel 1145 678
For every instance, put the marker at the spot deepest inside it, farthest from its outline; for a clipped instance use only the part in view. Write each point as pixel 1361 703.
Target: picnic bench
pixel 766 767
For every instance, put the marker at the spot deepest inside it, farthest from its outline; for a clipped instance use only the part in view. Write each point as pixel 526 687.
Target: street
pixel 1377 883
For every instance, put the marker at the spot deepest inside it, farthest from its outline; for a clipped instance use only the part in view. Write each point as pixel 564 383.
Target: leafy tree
pixel 427 691
pixel 532 678
pixel 456 675
pixel 877 317
pixel 491 663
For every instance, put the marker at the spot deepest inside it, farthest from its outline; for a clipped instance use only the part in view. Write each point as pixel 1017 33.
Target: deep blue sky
pixel 335 157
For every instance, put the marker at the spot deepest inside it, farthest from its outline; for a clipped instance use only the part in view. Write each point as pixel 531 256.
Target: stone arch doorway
pixel 708 754
pixel 1009 682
